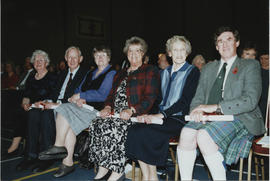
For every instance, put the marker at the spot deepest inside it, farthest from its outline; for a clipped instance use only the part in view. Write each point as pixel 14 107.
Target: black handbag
pixel 81 150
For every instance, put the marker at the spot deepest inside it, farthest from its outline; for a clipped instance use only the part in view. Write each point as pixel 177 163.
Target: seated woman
pixel 10 79
pixel 72 118
pixel 39 86
pixel 134 92
pixel 149 143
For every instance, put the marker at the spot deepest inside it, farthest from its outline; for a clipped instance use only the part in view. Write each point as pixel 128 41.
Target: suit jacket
pixel 70 89
pixel 142 88
pixel 242 92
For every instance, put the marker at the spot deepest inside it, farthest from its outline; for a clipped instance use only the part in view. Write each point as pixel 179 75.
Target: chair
pixel 174 142
pixel 257 150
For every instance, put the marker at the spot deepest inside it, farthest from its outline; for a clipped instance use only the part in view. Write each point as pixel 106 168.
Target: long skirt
pixel 150 143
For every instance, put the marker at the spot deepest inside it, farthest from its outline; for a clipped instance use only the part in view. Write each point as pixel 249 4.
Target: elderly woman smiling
pixel 133 93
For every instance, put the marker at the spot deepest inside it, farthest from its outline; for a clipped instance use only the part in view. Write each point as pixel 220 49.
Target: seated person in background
pixel 133 93
pixel 230 86
pixel 264 60
pixel 20 125
pixel 10 79
pixel 39 87
pixel 163 63
pixel 198 61
pixel 249 51
pixel 28 68
pixel 149 143
pixel 72 118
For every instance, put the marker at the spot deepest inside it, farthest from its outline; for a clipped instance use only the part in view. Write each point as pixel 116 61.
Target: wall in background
pixel 55 25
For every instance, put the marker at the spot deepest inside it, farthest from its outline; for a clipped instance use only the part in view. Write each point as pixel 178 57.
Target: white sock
pixel 186 160
pixel 215 165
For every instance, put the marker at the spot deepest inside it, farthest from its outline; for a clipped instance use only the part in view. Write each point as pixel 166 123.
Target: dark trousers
pixel 41 131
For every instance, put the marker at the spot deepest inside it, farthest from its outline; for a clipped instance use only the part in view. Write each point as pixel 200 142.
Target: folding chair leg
pixel 262 168
pixel 249 165
pixel 241 169
pixel 256 168
pixel 133 170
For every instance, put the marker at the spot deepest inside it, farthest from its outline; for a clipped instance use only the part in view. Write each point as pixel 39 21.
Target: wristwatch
pixel 218 110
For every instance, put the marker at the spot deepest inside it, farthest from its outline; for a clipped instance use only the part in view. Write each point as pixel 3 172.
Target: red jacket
pixel 142 88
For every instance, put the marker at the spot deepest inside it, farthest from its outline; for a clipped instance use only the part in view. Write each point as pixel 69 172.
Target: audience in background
pixel 149 143
pixel 264 60
pixel 61 67
pixel 198 61
pixel 249 51
pixel 72 118
pixel 10 79
pixel 28 69
pixel 41 125
pixel 163 62
pixel 133 93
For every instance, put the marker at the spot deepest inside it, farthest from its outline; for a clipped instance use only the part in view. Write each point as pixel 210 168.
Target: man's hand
pixel 197 113
pixel 49 105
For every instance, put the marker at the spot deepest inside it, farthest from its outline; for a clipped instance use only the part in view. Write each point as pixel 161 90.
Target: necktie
pixel 69 80
pixel 216 92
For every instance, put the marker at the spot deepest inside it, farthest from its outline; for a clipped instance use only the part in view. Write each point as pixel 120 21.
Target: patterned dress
pixel 108 136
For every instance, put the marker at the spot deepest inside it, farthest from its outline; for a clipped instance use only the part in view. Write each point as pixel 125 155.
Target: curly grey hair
pixel 40 52
pixel 135 41
pixel 177 38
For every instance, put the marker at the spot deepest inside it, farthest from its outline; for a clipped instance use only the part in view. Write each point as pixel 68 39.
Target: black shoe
pixel 63 170
pixel 26 163
pixel 42 165
pixel 7 155
pixel 105 177
pixel 55 152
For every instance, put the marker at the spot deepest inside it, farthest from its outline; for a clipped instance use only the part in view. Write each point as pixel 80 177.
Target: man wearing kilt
pixel 230 86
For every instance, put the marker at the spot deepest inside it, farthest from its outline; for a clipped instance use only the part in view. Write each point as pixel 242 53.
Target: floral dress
pixel 108 136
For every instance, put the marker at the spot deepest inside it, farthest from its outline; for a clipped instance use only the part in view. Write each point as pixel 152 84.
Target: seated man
pixel 64 88
pixel 230 86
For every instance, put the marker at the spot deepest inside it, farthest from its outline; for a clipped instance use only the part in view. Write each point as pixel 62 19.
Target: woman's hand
pixel 74 98
pixel 105 112
pixel 26 103
pixel 148 119
pixel 26 107
pixel 80 102
pixel 126 114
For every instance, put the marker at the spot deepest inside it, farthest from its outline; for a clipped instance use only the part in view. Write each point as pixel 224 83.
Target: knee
pixel 187 138
pixel 202 138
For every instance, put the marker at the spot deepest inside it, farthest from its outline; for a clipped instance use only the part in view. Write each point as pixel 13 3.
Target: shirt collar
pixel 229 62
pixel 74 71
pixel 182 67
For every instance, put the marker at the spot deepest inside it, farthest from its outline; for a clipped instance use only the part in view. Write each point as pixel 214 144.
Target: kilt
pixel 78 118
pixel 233 139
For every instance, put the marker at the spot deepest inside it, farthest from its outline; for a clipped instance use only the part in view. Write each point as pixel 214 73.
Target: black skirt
pixel 150 142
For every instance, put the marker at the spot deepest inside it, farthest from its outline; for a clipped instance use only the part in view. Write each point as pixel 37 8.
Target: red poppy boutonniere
pixel 235 70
